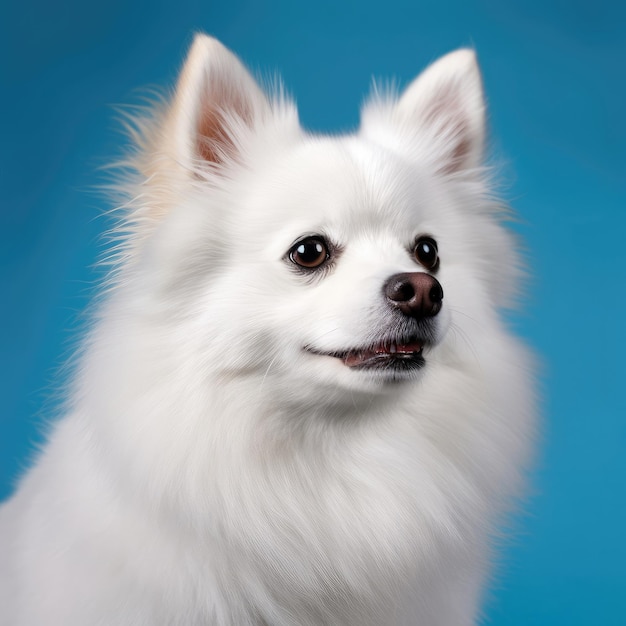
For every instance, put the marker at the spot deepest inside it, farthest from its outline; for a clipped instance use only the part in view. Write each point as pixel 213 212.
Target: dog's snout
pixel 416 294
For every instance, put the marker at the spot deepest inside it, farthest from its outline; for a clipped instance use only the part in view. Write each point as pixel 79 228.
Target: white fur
pixel 210 471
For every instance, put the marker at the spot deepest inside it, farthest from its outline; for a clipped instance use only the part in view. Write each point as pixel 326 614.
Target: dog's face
pixel 341 266
pixel 326 265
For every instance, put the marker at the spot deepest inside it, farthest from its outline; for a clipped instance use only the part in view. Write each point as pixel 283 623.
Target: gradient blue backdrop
pixel 555 80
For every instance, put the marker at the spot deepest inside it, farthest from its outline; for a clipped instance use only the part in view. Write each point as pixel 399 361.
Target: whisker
pixel 324 334
pixel 464 314
pixel 459 332
pixel 267 371
pixel 462 333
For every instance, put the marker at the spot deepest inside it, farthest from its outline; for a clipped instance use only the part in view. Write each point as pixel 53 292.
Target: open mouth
pixel 393 355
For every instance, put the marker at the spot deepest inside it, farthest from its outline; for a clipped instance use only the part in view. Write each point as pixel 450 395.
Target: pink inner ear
pixel 445 115
pixel 461 148
pixel 215 143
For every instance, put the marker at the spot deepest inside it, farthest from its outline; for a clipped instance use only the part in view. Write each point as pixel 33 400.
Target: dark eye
pixel 309 253
pixel 425 252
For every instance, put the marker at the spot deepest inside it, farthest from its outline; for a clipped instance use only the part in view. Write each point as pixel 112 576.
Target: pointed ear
pixel 215 99
pixel 440 116
pixel 446 100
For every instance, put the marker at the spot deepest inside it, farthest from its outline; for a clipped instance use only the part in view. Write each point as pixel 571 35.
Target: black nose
pixel 416 294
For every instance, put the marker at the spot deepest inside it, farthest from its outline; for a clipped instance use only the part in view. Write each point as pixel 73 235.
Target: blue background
pixel 555 79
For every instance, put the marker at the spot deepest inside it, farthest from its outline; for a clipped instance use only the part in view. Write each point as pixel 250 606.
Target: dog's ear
pixel 447 100
pixel 216 101
pixel 442 110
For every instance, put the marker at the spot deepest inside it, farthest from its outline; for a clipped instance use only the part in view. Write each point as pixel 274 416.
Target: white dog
pixel 297 404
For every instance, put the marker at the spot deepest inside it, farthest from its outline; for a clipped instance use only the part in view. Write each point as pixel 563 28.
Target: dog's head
pixel 319 264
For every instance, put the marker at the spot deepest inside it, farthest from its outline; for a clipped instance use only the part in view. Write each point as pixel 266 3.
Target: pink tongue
pixel 358 357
